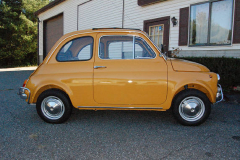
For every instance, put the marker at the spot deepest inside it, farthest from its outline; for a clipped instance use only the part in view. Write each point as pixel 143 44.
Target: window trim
pixel 209 24
pixel 78 52
pixel 133 47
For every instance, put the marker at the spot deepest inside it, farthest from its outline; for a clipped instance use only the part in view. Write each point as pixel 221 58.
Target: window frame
pixel 209 25
pixel 79 50
pixel 133 36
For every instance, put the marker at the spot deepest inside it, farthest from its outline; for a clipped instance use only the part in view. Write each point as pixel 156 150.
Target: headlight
pixel 218 76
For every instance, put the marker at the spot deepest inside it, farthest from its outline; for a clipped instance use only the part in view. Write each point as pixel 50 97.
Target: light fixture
pixel 174 21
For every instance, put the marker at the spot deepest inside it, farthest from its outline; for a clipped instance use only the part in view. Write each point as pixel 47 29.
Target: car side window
pixel 124 47
pixel 79 49
pixel 120 50
pixel 143 50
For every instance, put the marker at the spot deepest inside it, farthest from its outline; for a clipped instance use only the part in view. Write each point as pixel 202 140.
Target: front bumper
pixel 23 95
pixel 219 96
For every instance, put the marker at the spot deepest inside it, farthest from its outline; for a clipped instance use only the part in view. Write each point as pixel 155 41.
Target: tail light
pixel 24 83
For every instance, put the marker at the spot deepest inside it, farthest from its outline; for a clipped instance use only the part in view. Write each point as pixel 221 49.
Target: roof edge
pixel 49 6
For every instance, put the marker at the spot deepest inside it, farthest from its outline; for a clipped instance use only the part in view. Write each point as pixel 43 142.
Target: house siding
pixel 99 14
pixel 135 15
pixel 108 13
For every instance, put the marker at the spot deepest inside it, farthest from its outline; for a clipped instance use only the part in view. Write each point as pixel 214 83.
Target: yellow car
pixel 118 69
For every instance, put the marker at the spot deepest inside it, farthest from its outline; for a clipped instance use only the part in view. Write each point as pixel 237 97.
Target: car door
pixel 128 71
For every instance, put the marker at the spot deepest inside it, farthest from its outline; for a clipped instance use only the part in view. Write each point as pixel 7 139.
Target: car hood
pixel 184 65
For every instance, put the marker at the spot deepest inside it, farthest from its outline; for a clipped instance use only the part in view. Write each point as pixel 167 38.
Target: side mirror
pixel 162 48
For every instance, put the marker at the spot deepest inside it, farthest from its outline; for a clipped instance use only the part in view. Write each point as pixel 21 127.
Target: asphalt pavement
pixel 112 134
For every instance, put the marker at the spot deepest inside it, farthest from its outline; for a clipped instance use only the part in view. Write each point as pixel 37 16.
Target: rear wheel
pixel 53 106
pixel 191 107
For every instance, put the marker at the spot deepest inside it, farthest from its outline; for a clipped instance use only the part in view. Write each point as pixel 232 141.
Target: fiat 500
pixel 118 69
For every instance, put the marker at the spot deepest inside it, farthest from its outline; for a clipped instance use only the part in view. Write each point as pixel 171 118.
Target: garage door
pixel 53 30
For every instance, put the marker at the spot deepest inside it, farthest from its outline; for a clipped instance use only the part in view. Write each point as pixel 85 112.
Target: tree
pixel 18 31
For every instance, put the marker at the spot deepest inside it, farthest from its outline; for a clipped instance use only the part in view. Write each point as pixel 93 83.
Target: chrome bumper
pixel 22 94
pixel 219 96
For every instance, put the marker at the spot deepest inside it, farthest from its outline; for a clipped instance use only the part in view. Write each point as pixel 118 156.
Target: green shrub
pixel 227 68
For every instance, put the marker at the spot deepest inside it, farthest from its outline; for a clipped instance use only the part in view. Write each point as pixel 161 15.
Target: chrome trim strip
pixel 220 92
pixel 118 107
pixel 133 47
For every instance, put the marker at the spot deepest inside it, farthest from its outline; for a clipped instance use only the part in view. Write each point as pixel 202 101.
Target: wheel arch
pixel 196 86
pixel 49 87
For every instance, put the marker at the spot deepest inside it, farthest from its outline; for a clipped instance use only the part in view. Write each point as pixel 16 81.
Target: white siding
pixel 100 14
pixel 108 13
pixel 135 15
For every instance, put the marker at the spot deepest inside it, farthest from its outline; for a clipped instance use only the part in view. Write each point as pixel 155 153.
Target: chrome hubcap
pixel 52 107
pixel 191 108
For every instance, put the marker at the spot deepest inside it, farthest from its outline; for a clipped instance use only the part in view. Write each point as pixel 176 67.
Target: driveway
pixel 111 134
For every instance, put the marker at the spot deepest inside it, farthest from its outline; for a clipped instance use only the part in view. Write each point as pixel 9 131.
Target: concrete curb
pixel 18 69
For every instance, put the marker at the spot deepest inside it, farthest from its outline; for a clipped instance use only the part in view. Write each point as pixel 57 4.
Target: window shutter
pixel 146 2
pixel 183 26
pixel 236 30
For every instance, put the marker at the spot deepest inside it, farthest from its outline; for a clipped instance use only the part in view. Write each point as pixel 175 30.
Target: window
pixel 76 50
pixel 124 47
pixel 211 23
pixel 156 34
pixel 84 53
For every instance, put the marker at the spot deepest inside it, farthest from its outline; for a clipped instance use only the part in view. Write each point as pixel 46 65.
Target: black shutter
pixel 236 30
pixel 183 26
pixel 146 2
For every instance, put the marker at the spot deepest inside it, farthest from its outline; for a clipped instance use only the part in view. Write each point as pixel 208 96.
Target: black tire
pixel 54 106
pixel 191 107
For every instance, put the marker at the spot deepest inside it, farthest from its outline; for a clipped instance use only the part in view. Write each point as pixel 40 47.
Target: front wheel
pixel 191 107
pixel 53 106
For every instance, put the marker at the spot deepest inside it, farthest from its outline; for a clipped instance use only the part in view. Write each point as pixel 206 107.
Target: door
pixel 158 31
pixel 53 31
pixel 128 71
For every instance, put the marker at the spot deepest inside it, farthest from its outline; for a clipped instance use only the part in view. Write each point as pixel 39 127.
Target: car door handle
pixel 96 67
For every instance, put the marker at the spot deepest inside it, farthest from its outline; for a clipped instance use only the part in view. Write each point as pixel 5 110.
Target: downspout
pixel 123 15
pixel 38 43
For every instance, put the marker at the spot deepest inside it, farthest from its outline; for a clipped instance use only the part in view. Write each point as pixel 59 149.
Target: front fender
pixel 201 81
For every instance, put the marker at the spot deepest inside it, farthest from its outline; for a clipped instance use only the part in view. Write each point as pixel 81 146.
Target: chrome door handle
pixel 96 67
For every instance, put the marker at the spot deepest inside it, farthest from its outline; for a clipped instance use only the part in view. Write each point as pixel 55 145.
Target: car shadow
pixel 122 116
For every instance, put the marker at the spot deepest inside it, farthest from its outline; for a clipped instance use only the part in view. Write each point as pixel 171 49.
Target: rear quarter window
pixel 78 49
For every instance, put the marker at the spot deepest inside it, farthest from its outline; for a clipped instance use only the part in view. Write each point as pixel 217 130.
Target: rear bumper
pixel 219 96
pixel 23 95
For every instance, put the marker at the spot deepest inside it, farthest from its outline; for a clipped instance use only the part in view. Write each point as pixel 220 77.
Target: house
pixel 194 28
